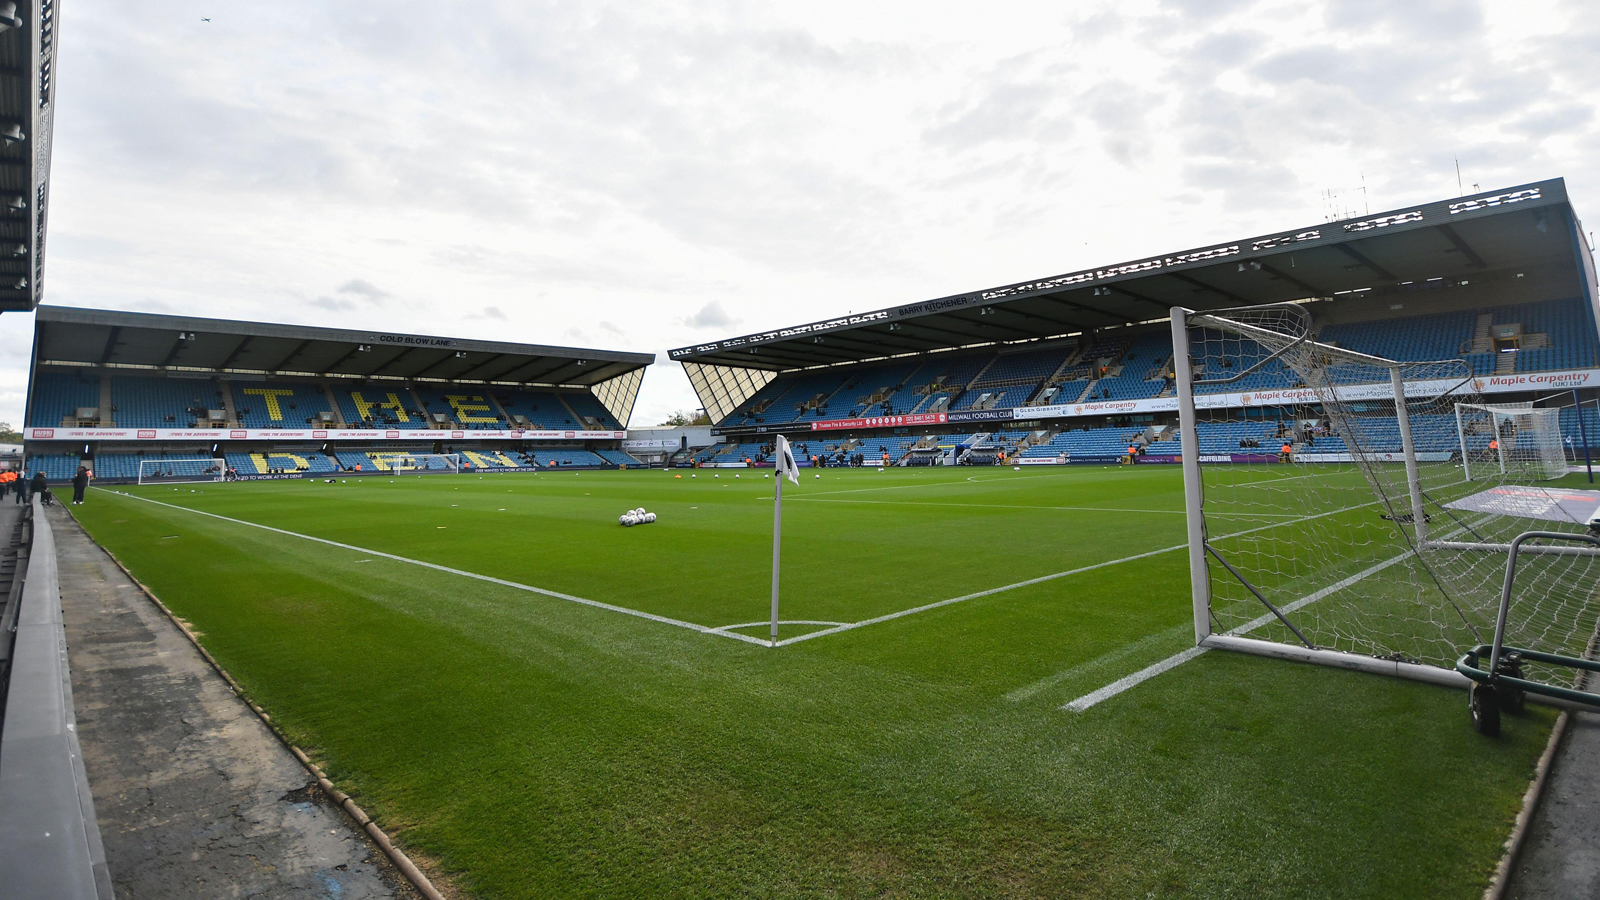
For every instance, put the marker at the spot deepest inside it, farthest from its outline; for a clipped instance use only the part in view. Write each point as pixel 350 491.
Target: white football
pixel 649 517
pixel 622 519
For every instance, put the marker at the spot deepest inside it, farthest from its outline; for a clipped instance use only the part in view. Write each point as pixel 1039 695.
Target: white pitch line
pixel 769 622
pixel 1145 674
pixel 1175 512
pixel 1115 509
pixel 703 629
pixel 1052 577
pixel 1178 659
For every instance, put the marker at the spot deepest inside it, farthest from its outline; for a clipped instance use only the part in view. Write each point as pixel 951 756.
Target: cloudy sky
pixel 641 176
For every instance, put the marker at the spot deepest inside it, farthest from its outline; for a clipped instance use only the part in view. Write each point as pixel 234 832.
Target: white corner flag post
pixel 783 457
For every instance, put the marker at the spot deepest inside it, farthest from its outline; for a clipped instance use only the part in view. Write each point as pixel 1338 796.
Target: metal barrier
pixel 49 842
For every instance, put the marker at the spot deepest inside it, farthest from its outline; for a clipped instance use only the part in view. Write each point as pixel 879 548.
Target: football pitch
pixel 543 703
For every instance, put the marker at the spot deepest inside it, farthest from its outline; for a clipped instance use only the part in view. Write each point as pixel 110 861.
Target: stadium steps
pixel 1505 363
pixel 1087 388
pixel 427 414
pixel 570 411
pixel 499 410
pixel 333 404
pixel 228 407
pixel 1481 340
pixel 105 403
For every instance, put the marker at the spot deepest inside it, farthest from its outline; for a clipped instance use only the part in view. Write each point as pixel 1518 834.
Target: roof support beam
pixel 1371 266
pixel 1054 322
pixel 1462 246
pixel 172 355
pixel 1164 307
pixel 964 337
pixel 391 361
pixel 423 372
pixel 292 354
pixel 1016 332
pixel 354 349
pixel 238 349
pixel 1280 274
pixel 1202 286
pixel 1091 310
pixel 111 344
pixel 472 372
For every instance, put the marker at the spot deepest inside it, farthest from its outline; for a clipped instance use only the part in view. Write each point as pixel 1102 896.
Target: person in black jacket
pixel 40 487
pixel 80 483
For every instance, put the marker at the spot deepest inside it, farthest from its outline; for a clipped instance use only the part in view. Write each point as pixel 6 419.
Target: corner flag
pixel 783 460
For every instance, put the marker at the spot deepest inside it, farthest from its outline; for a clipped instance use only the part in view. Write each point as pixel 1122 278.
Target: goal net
pixel 1374 532
pixel 402 463
pixel 181 469
pixel 1499 440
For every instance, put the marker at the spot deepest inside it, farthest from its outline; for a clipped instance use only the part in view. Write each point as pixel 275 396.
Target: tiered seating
pixel 617 458
pixel 278 404
pixel 378 406
pixel 125 466
pixel 463 407
pixel 543 409
pixel 958 371
pixel 1573 344
pixel 280 461
pixel 1085 442
pixel 543 458
pixel 57 467
pixel 1224 437
pixel 1438 336
pixel 1143 361
pixel 587 405
pixel 162 402
pixel 491 459
pixel 57 395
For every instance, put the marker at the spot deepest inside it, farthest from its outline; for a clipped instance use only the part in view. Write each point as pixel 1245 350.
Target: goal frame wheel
pixel 1484 706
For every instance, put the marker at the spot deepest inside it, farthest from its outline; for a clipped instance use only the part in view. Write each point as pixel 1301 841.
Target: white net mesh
pixel 403 463
pixel 1358 549
pixel 176 468
pixel 1503 439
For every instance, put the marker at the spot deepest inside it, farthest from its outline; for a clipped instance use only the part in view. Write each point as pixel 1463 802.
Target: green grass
pixel 535 747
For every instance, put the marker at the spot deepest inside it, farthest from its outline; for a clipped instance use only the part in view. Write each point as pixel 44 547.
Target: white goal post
pixel 1503 439
pixel 165 470
pixel 1380 541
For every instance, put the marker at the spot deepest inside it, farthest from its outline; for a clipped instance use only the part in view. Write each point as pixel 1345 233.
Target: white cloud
pixel 687 169
pixel 712 315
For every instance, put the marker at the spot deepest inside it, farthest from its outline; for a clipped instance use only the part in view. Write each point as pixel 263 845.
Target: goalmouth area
pixel 543 703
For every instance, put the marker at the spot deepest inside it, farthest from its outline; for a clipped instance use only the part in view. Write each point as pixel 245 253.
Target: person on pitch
pixel 80 483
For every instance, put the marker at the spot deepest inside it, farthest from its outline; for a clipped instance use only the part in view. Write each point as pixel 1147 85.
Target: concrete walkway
pixel 195 797
pixel 1560 859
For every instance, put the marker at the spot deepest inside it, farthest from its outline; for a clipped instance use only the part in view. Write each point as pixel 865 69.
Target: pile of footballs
pixel 636 517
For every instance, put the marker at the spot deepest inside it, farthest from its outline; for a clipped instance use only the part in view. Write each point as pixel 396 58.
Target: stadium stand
pixel 379 406
pixel 278 404
pixel 538 409
pixel 55 466
pixel 57 397
pixel 138 402
pixel 280 461
pixel 588 408
pixel 460 407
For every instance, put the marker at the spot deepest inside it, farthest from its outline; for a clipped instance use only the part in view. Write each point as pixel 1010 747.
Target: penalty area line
pixel 583 601
pixel 1178 659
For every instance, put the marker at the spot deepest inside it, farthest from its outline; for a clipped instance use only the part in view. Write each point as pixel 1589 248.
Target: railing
pixel 49 841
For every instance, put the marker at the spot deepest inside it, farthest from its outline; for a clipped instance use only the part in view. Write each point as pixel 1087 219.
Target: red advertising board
pixel 881 422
